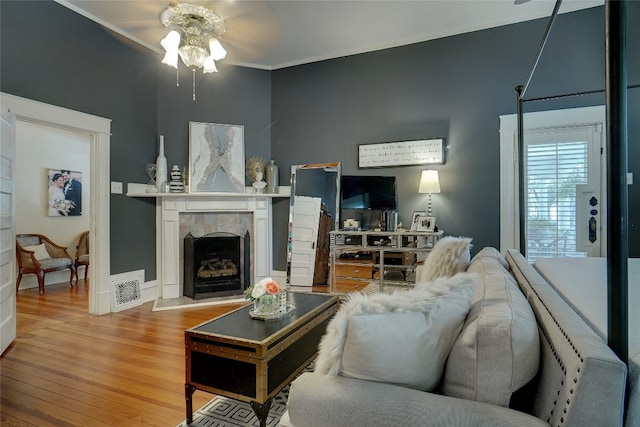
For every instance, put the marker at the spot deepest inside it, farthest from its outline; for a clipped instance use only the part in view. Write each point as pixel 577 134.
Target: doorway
pixel 98 130
pixel 42 153
pixel 565 191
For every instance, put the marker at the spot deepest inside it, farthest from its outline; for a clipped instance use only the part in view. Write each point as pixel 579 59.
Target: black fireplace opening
pixel 216 265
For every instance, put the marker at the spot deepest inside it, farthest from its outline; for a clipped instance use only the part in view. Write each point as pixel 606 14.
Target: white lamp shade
pixel 429 182
pixel 216 49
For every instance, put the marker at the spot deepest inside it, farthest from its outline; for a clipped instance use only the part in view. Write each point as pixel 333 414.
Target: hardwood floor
pixel 68 368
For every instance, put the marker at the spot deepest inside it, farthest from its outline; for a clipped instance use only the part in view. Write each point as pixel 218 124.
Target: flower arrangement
pixel 266 290
pixel 64 206
pixel 269 300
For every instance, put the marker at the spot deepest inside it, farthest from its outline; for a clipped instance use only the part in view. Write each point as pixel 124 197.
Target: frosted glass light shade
pixel 170 43
pixel 171 58
pixel 209 66
pixel 217 51
pixel 193 56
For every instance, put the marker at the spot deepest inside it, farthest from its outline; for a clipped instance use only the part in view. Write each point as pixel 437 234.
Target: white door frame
pixel 509 208
pixel 99 128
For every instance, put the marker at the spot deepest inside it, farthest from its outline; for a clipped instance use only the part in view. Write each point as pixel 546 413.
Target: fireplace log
pixel 217 267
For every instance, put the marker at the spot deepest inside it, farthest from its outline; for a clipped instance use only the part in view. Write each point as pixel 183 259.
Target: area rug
pixel 225 412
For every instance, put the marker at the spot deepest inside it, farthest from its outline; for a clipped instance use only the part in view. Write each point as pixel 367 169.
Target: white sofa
pixel 488 378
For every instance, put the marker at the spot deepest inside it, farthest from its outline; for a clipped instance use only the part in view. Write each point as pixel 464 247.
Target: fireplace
pixel 216 265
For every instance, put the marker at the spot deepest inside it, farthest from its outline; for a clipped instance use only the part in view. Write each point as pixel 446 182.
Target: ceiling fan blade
pixel 253 28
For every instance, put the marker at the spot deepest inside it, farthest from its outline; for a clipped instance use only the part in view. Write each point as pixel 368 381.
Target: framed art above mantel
pixel 404 153
pixel 216 158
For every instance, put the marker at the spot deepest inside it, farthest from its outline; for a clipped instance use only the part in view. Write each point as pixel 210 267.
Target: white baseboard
pixel 53 278
pixel 150 291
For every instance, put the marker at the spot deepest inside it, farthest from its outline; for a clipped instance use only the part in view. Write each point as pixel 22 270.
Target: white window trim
pixel 509 207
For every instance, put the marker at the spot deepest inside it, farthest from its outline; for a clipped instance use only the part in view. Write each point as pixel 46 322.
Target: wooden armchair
pixel 38 255
pixel 82 254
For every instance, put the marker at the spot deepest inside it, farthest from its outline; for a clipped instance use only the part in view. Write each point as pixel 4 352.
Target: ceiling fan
pixel 206 29
pixel 252 27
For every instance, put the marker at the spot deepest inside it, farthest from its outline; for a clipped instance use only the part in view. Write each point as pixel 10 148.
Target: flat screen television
pixel 368 192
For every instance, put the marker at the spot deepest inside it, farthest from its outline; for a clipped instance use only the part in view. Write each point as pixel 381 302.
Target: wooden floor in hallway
pixel 69 368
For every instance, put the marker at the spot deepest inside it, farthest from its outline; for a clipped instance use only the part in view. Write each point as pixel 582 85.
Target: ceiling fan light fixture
pixel 194 36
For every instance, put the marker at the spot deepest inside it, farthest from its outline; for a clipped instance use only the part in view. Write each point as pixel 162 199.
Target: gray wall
pixel 53 55
pixel 454 88
pixel 235 95
pixel 61 58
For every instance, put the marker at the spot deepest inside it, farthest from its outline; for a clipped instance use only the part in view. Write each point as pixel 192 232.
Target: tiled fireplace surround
pixel 202 215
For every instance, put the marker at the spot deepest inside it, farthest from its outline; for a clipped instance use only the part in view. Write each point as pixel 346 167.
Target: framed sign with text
pixel 405 153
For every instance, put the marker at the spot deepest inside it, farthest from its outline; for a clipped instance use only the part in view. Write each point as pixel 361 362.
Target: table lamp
pixel 429 183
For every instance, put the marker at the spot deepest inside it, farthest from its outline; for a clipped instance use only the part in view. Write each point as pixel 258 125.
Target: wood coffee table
pixel 252 360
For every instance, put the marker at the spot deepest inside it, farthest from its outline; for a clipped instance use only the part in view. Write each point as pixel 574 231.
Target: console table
pixel 357 256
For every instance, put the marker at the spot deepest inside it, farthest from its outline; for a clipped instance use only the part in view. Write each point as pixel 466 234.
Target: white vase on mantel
pixel 161 164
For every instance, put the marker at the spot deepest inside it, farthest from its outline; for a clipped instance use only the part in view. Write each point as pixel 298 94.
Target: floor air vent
pixel 126 290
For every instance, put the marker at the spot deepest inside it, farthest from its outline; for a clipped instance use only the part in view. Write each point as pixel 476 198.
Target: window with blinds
pixel 553 171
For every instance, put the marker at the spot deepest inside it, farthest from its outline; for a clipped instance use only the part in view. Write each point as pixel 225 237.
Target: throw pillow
pixel 40 251
pixel 498 350
pixel 403 338
pixel 449 256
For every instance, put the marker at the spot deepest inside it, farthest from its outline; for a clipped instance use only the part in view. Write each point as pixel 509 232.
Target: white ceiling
pixel 272 34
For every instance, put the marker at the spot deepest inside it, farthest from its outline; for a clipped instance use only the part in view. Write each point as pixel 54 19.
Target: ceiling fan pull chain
pixel 177 77
pixel 194 83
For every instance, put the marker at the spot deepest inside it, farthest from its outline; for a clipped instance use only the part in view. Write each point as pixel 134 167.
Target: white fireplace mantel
pixel 169 206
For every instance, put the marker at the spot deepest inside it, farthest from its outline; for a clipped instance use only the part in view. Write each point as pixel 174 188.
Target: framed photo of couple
pixel 64 192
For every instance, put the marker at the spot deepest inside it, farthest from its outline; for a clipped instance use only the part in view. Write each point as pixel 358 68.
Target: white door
pixel 7 230
pixel 565 191
pixel 304 235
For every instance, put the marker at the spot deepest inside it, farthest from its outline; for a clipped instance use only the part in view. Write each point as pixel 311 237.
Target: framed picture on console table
pixel 415 219
pixel 216 158
pixel 426 223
